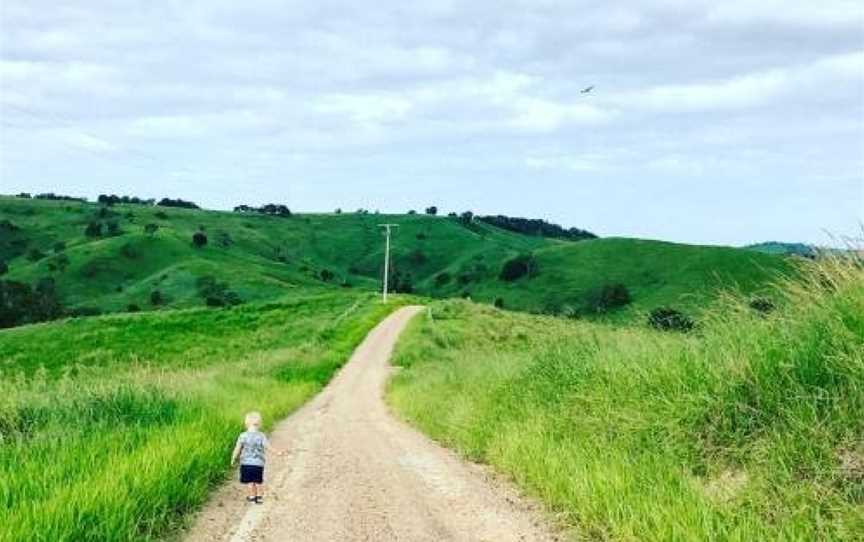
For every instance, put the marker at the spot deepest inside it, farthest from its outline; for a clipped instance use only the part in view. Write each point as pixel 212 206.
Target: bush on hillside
pixel 113 228
pixel 326 275
pixel 59 246
pixel 78 312
pixel 442 278
pixel 4 267
pixel 94 229
pixel 761 305
pixel 199 239
pixel 132 307
pixel 518 267
pixel 58 197
pixel 161 215
pixel 669 319
pixel 417 257
pixel 606 298
pixel 215 293
pixel 499 302
pixel 151 228
pixel 58 263
pixel 34 254
pixel 156 298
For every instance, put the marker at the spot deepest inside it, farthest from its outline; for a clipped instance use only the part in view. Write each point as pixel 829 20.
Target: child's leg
pixel 253 490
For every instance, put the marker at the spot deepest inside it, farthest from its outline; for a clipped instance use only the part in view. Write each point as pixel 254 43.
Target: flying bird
pixel 587 90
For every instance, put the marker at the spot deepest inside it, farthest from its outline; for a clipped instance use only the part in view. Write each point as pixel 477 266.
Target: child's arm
pixel 272 450
pixel 237 448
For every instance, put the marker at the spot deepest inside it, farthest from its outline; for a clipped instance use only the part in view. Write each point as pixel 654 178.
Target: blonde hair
pixel 253 419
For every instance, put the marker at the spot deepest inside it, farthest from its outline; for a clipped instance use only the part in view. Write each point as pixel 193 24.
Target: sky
pixel 709 122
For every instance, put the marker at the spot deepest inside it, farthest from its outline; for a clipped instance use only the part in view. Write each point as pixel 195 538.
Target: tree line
pixel 537 227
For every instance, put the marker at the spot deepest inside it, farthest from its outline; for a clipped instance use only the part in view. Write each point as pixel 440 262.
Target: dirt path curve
pixel 354 472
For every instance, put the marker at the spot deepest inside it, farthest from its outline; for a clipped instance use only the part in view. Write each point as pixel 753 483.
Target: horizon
pixel 745 124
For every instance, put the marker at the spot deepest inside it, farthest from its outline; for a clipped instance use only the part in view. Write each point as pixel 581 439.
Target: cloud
pixel 433 96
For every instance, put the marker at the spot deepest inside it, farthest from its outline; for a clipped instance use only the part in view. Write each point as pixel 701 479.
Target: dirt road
pixel 354 472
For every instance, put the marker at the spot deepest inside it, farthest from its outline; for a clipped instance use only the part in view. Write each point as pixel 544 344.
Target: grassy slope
pixel 751 430
pixel 115 427
pixel 109 273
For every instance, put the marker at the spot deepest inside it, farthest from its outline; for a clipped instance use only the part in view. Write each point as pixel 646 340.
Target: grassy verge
pixel 750 429
pixel 114 428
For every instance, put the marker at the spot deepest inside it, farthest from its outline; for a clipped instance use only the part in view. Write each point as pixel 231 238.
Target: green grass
pixel 264 258
pixel 750 429
pixel 116 427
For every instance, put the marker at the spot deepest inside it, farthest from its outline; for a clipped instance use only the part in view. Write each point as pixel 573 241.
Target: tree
pixel 467 217
pixel 199 239
pixel 94 229
pixel 168 202
pixel 432 210
pixel 412 212
pixel 151 228
pixel 4 267
pixel 114 228
pixel 338 210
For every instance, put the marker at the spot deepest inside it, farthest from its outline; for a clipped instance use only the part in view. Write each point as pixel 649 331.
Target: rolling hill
pixel 253 257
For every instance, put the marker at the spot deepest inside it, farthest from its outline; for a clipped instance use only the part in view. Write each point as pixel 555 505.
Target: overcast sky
pixel 711 122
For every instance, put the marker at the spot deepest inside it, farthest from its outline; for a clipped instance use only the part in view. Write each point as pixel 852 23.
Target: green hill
pixel 250 256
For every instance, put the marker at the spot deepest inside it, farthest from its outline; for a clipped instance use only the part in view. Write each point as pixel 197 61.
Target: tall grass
pixel 114 428
pixel 750 429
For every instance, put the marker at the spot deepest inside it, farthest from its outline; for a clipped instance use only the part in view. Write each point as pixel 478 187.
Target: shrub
pixel 417 257
pixel 84 311
pixel 421 236
pixel 669 319
pixel 199 239
pixel 412 212
pixel 58 263
pixel 442 278
pixel 114 228
pixel 518 267
pixel 762 305
pixel 4 268
pixel 94 229
pixel 151 228
pixel 499 302
pixel 156 298
pixel 132 307
pixel 432 210
pixel 161 215
pixel 216 294
pixel 608 297
pixel 59 246
pixel 326 275
pixel 34 255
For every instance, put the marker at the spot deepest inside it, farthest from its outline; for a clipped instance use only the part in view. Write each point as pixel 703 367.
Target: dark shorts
pixel 251 474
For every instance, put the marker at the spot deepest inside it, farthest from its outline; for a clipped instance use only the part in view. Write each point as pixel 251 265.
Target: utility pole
pixel 387 255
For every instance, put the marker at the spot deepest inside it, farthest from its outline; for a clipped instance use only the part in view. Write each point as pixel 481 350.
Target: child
pixel 250 449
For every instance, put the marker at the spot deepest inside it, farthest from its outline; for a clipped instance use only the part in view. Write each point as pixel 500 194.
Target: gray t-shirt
pixel 253 444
